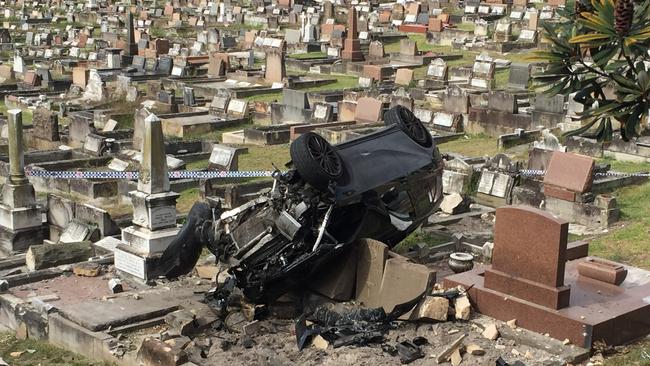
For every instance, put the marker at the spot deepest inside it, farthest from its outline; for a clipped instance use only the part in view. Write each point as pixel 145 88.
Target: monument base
pixel 21 217
pixel 597 311
pixel 352 50
pixel 18 195
pixel 18 241
pixel 136 265
pixel 145 241
pixel 154 211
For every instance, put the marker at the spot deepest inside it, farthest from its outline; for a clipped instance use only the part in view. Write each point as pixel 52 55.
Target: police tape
pixel 533 173
pixel 133 175
pixel 221 174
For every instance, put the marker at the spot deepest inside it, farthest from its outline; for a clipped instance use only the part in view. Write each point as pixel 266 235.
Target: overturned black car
pixel 381 186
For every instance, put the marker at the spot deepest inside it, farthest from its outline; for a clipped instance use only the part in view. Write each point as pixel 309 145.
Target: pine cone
pixel 623 15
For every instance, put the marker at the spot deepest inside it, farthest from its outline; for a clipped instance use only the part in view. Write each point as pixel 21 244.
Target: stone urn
pixel 461 262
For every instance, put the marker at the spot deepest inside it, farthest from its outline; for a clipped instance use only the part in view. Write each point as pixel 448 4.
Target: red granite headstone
pixel 529 256
pixel 569 171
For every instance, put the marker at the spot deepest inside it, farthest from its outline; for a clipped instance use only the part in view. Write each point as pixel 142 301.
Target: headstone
pixel 519 78
pixel 46 124
pixel 369 110
pixel 404 76
pixel 224 158
pixel 570 172
pixel 275 66
pixel 95 87
pixel 408 47
pixel 376 50
pixel 529 256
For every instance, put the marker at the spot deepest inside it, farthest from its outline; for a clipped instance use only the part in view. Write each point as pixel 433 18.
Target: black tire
pixel 409 124
pixel 316 160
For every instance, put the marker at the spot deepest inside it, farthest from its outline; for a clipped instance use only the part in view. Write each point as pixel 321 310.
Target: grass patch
pixel 187 199
pixel 307 55
pixel 44 353
pixel 472 145
pixel 417 237
pixel 124 121
pixel 635 355
pixel 625 166
pixel 627 242
pixel 264 157
pixel 468 27
pixel 197 165
pixel 271 96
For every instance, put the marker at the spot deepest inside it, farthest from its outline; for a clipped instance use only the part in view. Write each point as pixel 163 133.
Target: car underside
pixel 380 186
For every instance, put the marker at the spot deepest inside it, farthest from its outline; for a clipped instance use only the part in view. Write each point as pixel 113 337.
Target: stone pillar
pixel 275 71
pixel 132 47
pixel 154 209
pixel 352 45
pixel 20 217
pixel 16 157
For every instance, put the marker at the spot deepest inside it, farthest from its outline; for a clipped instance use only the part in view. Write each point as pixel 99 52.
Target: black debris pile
pixel 349 325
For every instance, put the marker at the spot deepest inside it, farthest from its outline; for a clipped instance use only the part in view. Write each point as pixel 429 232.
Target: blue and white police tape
pixel 176 174
pixel 201 174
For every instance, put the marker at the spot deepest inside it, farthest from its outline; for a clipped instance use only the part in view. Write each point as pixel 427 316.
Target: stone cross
pixel 16 157
pixel 154 176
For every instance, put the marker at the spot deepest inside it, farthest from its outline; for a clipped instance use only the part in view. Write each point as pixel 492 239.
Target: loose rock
pixel 491 332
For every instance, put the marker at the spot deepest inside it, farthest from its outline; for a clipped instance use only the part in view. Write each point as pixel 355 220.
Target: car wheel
pixel 408 123
pixel 316 160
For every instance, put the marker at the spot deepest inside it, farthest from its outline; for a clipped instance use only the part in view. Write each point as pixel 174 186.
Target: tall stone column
pixel 351 45
pixel 154 209
pixel 132 47
pixel 20 217
pixel 16 157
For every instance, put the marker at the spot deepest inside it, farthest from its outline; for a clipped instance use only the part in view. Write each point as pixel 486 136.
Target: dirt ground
pixel 277 346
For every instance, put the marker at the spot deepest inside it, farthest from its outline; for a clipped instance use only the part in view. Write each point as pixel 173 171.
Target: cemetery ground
pixel 30 352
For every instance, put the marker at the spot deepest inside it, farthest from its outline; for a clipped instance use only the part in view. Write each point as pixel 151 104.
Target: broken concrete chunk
pixel 87 269
pixel 207 271
pixel 178 342
pixel 454 204
pixel 462 307
pixel 52 255
pixel 154 352
pixel 182 321
pixel 371 258
pixel 491 332
pixel 403 281
pixel 319 342
pixel 446 353
pixel 512 323
pixel 115 285
pixel 456 358
pixel 431 308
pixel 475 350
